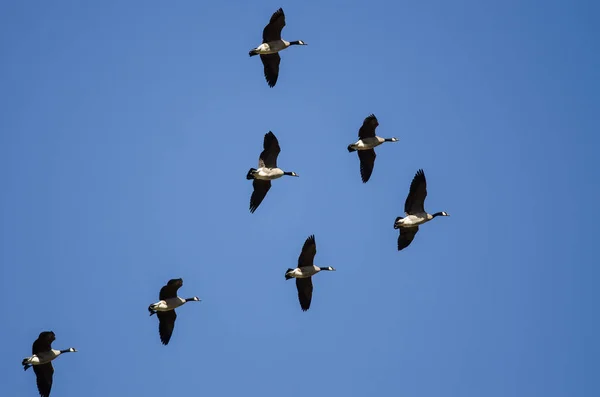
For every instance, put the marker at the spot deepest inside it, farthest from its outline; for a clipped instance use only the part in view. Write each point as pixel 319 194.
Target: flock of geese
pixel 415 215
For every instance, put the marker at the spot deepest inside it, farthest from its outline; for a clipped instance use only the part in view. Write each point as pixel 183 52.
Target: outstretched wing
pixel 169 290
pixel 415 201
pixel 305 289
pixel 309 250
pixel 44 374
pixel 272 31
pixel 271 149
pixel 368 128
pixel 260 191
pixel 271 67
pixel 367 163
pixel 166 325
pixel 407 234
pixel 43 343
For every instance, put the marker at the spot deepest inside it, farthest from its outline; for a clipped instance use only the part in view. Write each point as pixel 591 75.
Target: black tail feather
pixel 250 174
pixel 351 149
pixel 252 52
pixel 286 274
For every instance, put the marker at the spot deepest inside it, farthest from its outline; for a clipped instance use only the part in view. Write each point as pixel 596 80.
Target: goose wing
pixel 272 31
pixel 368 128
pixel 170 290
pixel 415 201
pixel 166 325
pixel 260 191
pixel 43 343
pixel 43 375
pixel 271 149
pixel 309 250
pixel 271 67
pixel 367 162
pixel 305 289
pixel 407 234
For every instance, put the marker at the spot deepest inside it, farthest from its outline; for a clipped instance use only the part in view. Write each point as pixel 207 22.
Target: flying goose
pixel 41 361
pixel 165 308
pixel 415 211
pixel 367 141
pixel 304 272
pixel 271 45
pixel 266 172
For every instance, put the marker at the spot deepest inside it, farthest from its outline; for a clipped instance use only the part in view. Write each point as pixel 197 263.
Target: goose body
pixel 414 211
pixel 165 308
pixel 367 141
pixel 271 45
pixel 170 304
pixel 304 272
pixel 41 360
pixel 266 172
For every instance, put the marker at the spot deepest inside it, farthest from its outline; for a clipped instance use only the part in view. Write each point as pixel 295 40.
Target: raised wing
pixel 367 162
pixel 271 67
pixel 272 31
pixel 305 290
pixel 43 343
pixel 309 250
pixel 407 234
pixel 368 128
pixel 170 290
pixel 260 191
pixel 44 374
pixel 166 325
pixel 271 149
pixel 415 201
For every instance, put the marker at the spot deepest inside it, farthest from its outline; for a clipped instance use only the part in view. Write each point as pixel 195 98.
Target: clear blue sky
pixel 126 132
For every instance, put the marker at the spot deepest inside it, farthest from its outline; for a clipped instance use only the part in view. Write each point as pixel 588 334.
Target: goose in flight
pixel 271 45
pixel 41 361
pixel 165 308
pixel 415 211
pixel 304 272
pixel 367 141
pixel 266 172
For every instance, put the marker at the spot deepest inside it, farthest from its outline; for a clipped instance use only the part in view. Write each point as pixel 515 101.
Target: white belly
pixel 268 174
pixel 413 220
pixel 305 272
pixel 367 143
pixel 168 304
pixel 43 358
pixel 271 47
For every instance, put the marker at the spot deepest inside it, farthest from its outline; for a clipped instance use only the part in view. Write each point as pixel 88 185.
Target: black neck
pixel 389 140
pixel 65 351
pixel 437 214
pixel 297 42
pixel 190 299
pixel 287 173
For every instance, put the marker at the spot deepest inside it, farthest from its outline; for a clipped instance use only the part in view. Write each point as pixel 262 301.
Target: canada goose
pixel 415 211
pixel 271 45
pixel 266 172
pixel 165 308
pixel 304 272
pixel 367 141
pixel 41 361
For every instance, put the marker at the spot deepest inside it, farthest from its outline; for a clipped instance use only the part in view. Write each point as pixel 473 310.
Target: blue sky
pixel 126 132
